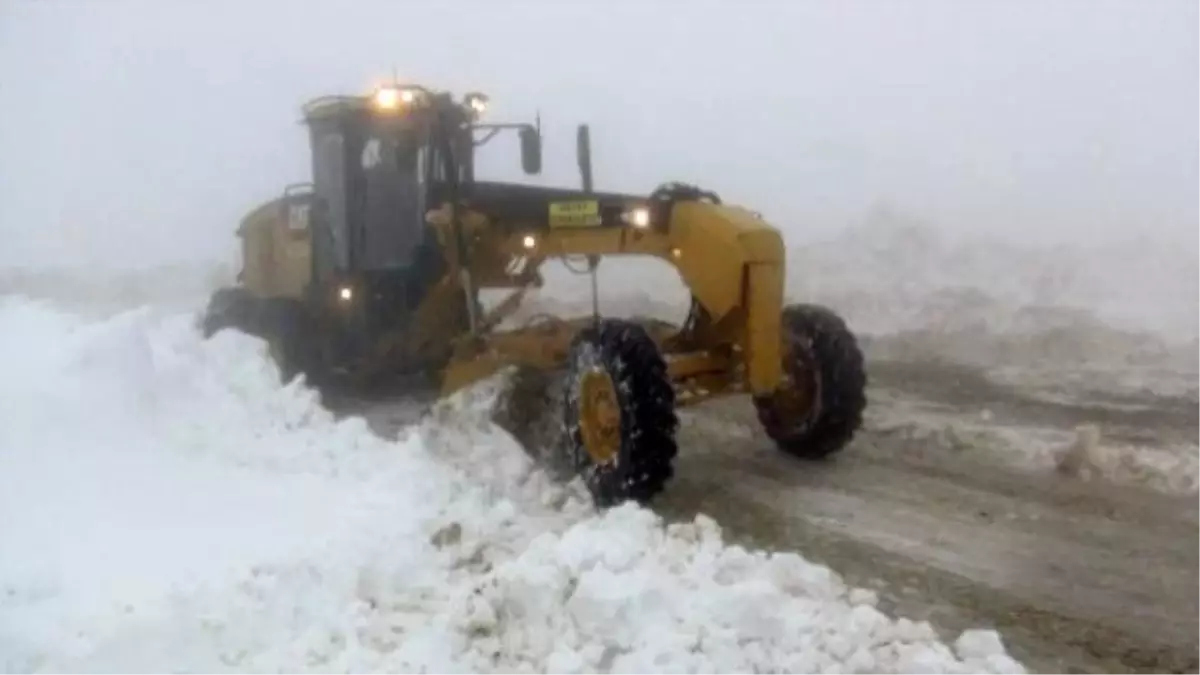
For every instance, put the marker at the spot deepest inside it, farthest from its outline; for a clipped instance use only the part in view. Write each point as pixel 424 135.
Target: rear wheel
pixel 619 409
pixel 229 308
pixel 288 332
pixel 819 406
pixel 281 323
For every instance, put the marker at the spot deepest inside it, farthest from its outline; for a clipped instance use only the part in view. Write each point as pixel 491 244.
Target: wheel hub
pixel 599 416
pixel 798 398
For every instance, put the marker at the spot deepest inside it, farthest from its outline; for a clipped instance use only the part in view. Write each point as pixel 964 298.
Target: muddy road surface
pixel 955 503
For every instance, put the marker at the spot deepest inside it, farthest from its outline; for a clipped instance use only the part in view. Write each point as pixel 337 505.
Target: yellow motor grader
pixel 373 270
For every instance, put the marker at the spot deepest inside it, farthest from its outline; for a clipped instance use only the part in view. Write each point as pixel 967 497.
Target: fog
pixel 138 132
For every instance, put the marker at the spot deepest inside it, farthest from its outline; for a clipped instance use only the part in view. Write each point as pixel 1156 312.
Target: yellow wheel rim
pixel 599 416
pixel 797 397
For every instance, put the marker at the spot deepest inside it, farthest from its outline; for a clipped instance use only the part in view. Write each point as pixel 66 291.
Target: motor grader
pixel 373 270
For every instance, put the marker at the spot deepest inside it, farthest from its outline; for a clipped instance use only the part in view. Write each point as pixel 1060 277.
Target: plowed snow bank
pixel 166 505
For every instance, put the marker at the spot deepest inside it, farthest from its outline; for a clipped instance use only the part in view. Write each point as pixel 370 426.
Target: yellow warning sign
pixel 575 214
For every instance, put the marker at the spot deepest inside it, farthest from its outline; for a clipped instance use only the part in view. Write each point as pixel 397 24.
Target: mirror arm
pixel 497 126
pixel 492 133
pixel 525 131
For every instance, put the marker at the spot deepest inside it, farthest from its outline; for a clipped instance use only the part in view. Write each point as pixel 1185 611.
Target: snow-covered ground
pixel 168 505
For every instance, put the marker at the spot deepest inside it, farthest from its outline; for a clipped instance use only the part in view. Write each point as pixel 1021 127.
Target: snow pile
pixel 124 459
pixel 167 505
pixel 618 593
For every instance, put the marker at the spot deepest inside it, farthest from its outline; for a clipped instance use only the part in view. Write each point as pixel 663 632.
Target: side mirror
pixel 531 150
pixel 583 155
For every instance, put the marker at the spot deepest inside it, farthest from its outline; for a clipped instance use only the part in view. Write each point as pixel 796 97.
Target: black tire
pixel 229 308
pixel 819 351
pixel 282 323
pixel 646 401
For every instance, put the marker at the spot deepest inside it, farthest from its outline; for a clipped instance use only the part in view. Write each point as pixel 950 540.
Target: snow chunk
pixel 978 644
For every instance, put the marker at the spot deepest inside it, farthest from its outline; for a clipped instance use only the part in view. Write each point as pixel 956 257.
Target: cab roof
pixel 340 106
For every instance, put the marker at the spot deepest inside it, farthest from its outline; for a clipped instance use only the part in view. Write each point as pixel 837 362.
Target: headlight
pixel 638 217
pixel 388 98
pixel 346 293
pixel 392 98
pixel 529 241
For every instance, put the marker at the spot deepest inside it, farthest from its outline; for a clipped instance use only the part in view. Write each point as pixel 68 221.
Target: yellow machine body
pixel 375 269
pixel 731 260
pixel 276 249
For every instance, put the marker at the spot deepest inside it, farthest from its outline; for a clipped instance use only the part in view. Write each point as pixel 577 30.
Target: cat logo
pixel 298 218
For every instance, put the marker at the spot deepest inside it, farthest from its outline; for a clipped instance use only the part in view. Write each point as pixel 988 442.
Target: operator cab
pixel 369 168
pixel 379 164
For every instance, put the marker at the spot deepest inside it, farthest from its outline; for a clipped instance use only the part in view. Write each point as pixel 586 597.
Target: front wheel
pixel 819 406
pixel 619 411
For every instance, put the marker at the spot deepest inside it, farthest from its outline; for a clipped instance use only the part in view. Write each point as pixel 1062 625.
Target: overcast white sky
pixel 139 129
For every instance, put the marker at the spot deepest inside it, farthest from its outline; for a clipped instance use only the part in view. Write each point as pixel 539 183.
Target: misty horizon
pixel 139 131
